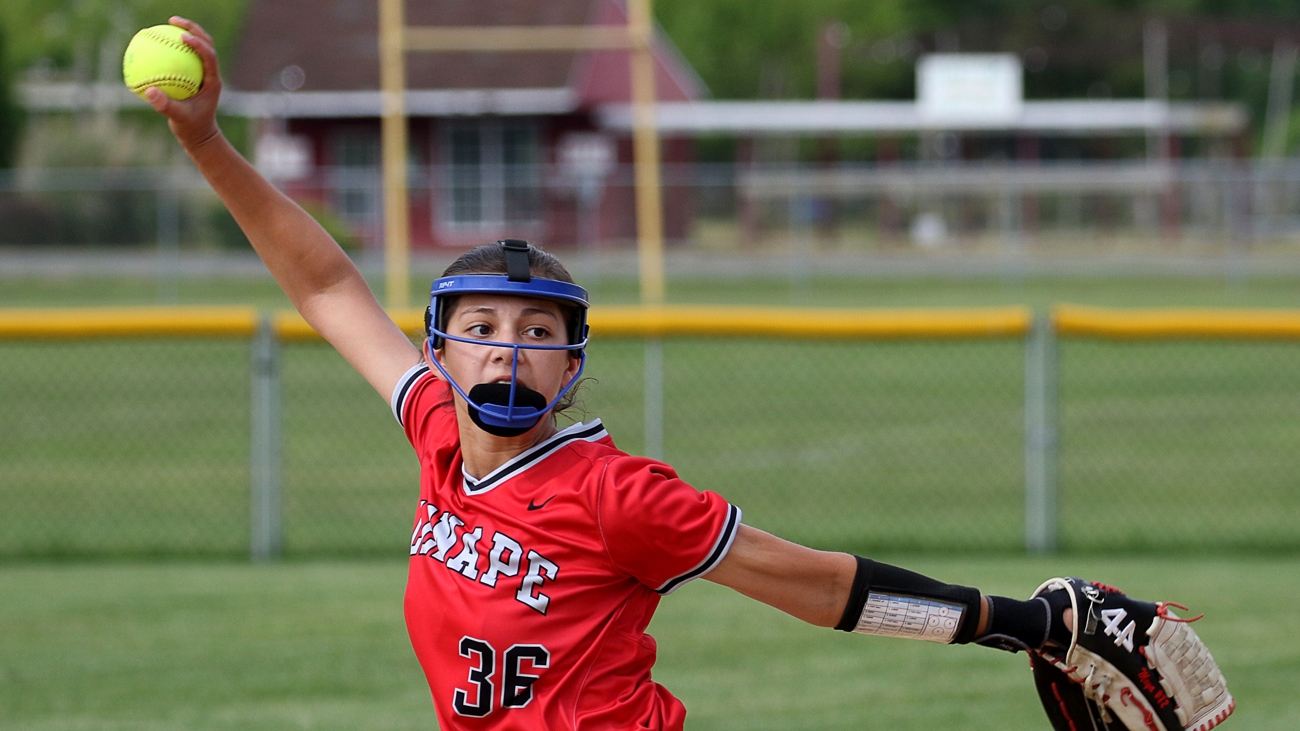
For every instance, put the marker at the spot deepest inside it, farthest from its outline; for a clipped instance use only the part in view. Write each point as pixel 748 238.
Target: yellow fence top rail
pixel 614 321
pixel 1176 323
pixel 289 325
pixel 665 321
pixel 697 321
pixel 113 322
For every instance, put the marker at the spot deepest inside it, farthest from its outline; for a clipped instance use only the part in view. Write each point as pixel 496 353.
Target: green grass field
pixel 89 290
pixel 321 646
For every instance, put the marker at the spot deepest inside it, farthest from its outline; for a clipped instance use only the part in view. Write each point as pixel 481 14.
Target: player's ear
pixel 426 353
pixel 571 368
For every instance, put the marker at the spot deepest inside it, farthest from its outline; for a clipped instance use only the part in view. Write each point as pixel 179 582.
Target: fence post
pixel 264 456
pixel 1040 435
pixel 654 398
pixel 1010 220
pixel 167 238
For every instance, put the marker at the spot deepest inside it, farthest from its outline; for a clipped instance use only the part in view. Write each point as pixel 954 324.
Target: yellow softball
pixel 157 56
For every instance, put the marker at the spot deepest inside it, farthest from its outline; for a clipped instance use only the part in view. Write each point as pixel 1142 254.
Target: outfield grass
pixel 91 290
pixel 220 647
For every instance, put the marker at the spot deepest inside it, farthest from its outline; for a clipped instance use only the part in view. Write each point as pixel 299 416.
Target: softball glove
pixel 1130 665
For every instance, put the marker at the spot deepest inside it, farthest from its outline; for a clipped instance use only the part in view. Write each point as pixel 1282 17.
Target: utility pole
pixel 392 74
pixel 397 39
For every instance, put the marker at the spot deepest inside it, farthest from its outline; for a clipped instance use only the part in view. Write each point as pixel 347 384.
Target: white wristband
pixel 899 615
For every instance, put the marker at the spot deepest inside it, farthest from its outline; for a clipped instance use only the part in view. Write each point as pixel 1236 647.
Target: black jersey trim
pixel 719 552
pixel 589 432
pixel 403 389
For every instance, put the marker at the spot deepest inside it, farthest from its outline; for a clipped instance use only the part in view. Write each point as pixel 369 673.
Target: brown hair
pixel 491 259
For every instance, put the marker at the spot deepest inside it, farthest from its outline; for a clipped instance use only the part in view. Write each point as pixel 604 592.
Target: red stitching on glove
pixel 1162 610
pixel 1218 719
pixel 1064 711
pixel 1146 715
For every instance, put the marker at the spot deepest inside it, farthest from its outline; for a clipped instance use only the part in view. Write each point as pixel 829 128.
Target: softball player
pixel 538 554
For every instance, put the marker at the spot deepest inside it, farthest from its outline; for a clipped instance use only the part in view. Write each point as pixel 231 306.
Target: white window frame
pixel 490 178
pixel 360 180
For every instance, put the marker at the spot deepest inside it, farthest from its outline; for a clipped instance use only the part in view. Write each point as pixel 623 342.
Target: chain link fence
pixel 1189 445
pixel 862 445
pixel 1222 207
pixel 134 446
pixel 112 447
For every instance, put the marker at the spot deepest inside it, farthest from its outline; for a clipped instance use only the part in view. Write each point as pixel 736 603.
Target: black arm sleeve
pixel 882 579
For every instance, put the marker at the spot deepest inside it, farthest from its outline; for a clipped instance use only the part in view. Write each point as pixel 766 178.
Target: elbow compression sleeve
pixel 893 602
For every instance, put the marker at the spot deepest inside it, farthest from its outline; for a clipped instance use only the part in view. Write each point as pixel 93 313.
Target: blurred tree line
pixel 1218 49
pixel 11 117
pixel 1071 48
pixel 68 35
pixel 84 40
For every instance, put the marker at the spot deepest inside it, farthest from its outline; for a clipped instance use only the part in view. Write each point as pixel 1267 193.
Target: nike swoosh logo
pixel 532 506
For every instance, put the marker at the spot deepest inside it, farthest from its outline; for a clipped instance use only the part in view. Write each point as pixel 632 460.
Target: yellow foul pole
pixel 395 39
pixel 392 73
pixel 645 145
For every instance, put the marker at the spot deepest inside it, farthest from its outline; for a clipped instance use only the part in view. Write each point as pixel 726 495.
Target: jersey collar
pixel 581 432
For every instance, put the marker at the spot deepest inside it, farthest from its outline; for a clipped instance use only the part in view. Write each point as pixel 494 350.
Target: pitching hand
pixel 194 120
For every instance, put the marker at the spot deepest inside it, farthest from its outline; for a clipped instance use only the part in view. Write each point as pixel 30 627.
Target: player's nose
pixel 504 353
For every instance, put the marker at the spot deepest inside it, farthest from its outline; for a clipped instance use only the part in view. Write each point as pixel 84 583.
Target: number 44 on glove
pixel 1131 665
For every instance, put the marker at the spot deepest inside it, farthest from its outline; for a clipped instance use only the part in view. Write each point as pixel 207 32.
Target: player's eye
pixel 537 332
pixel 479 331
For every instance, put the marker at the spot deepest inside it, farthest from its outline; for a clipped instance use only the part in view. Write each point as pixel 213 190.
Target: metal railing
pixel 1217 207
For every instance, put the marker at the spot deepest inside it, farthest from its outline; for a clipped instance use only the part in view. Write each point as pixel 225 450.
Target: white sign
pixel 283 157
pixel 969 89
pixel 587 154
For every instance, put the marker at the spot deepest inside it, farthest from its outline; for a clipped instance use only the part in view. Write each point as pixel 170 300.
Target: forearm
pixel 304 259
pixel 803 582
pixel 815 586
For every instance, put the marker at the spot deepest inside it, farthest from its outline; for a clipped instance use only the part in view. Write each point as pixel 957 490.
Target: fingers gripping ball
pixel 158 57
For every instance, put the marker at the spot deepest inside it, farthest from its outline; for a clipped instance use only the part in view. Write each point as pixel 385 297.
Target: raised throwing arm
pixel 321 281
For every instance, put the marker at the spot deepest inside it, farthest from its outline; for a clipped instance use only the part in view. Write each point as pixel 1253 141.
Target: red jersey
pixel 530 589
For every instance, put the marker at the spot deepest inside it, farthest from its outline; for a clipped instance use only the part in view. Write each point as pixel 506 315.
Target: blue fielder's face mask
pixel 506 409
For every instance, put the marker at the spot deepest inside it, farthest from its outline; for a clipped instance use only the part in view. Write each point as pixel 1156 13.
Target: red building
pixel 504 144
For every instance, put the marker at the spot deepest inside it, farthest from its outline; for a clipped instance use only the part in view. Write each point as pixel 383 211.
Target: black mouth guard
pixel 529 406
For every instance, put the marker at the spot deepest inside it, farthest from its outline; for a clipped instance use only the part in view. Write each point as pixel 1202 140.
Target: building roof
pixel 335 46
pixel 1063 117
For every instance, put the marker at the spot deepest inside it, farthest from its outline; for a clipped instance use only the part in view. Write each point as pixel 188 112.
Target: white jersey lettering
pixel 438 535
pixel 421 543
pixel 539 570
pixel 504 559
pixel 466 562
pixel 444 535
